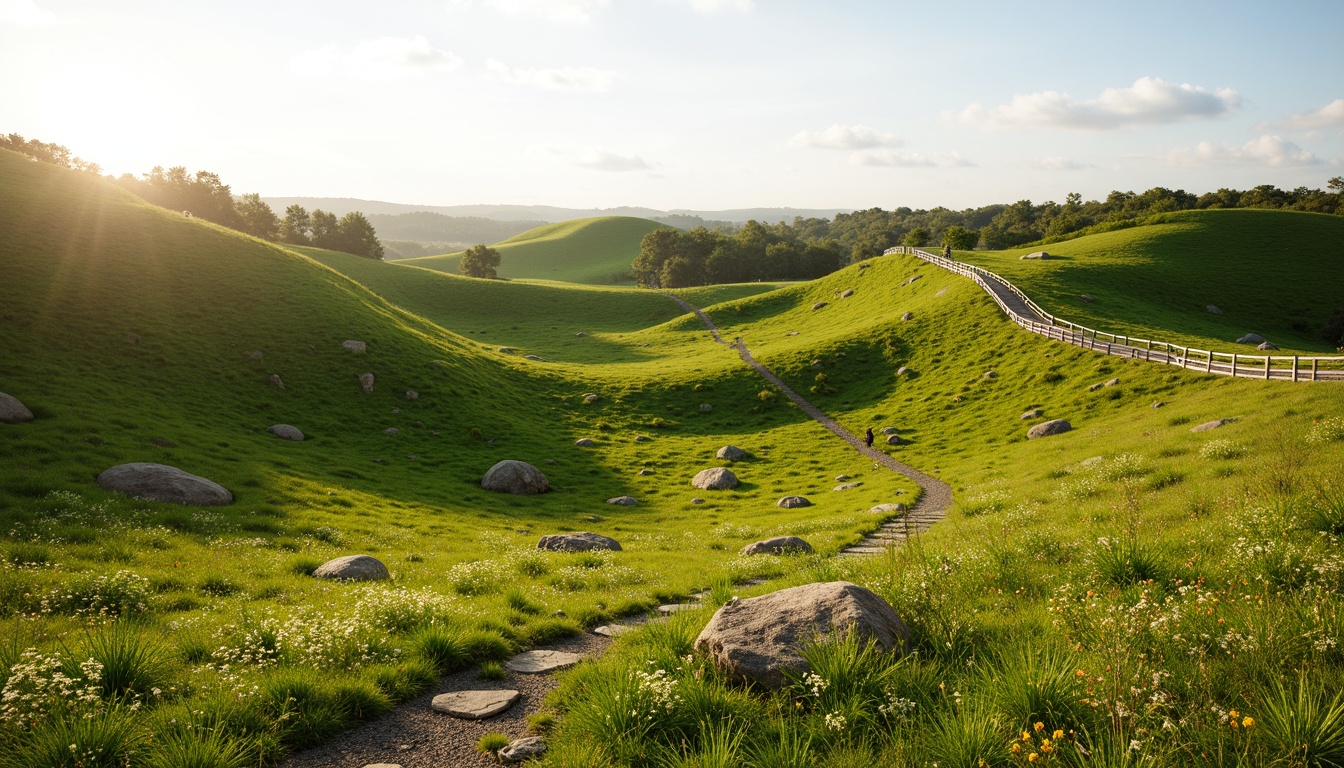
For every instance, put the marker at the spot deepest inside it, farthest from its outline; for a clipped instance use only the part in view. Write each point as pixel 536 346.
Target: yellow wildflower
pixel 1039 727
pixel 1233 714
pixel 1016 749
pixel 1057 735
pixel 1248 722
pixel 1026 736
pixel 1032 757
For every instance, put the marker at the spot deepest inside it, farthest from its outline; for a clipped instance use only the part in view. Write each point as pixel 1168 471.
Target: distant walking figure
pixel 868 437
pixel 947 251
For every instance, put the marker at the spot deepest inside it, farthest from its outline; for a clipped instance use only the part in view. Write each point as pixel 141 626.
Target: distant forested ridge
pixel 429 227
pixel 204 194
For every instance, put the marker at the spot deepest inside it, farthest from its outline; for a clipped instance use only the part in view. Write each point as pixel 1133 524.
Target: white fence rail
pixel 1268 367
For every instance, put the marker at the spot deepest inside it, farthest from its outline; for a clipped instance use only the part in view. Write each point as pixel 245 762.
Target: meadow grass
pixel 593 251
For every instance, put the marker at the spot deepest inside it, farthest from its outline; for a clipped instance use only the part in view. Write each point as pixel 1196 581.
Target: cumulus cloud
pixel 1057 164
pixel 1329 116
pixel 561 79
pixel 25 13
pixel 1150 101
pixel 1267 151
pixel 381 59
pixel 889 158
pixel 604 160
pixel 844 137
pixel 564 11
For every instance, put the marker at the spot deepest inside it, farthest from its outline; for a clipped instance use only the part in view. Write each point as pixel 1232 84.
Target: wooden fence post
pixel 1294 367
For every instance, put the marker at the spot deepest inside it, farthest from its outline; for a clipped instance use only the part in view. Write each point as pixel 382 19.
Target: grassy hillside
pixel 1276 273
pixel 591 251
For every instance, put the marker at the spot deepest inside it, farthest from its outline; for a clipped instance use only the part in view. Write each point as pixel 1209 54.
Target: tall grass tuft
pixel 1039 685
pixel 719 745
pixel 968 736
pixel 198 748
pixel 131 665
pixel 106 739
pixel 1302 727
pixel 789 748
pixel 1325 507
pixel 441 648
pixel 1125 560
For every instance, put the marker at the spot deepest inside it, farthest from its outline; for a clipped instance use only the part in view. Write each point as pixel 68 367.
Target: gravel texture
pixel 415 736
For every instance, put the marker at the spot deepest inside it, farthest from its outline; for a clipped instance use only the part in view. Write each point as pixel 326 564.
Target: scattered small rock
pixel 366 382
pixel 542 661
pixel 644 472
pixel 1216 423
pixel 1267 346
pixel 623 501
pixel 585 442
pixel 160 482
pixel 715 479
pixel 894 440
pixel 506 350
pixel 591 398
pixel 1251 338
pixel 730 453
pixel 286 432
pixel 845 294
pixel 12 411
pixel 520 750
pixel 162 442
pixel 841 478
pixel 613 630
pixel 577 542
pixel 353 568
pixel 534 358
pixel 793 502
pixel 551 461
pixel 847 486
pixel 580 334
pixel 890 430
pixel 1110 382
pixel 474 705
pixel 517 477
pixel 991 375
pixel 818 305
pixel 356 347
pixel 641 438
pixel 256 354
pixel 277 381
pixel 1034 413
pixel 1094 387
pixel 706 407
pixel 888 509
pixel 1085 297
pixel 908 316
pixel 1047 428
pixel 395 411
pixel 903 370
pixel 697 500
pixel 1211 309
pixel 778 546
pixel 391 431
pixel 411 394
pixel 1158 403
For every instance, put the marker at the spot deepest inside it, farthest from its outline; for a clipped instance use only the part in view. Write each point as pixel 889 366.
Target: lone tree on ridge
pixel 480 261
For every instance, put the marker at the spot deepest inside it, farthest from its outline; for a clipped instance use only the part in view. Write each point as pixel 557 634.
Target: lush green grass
pixel 1276 273
pixel 596 251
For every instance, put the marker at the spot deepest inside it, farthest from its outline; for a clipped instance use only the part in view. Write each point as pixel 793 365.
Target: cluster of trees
pixel 203 194
pixel 351 233
pixel 670 258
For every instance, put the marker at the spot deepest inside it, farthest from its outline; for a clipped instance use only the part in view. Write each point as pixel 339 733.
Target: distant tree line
pixel 670 258
pixel 430 227
pixel 204 195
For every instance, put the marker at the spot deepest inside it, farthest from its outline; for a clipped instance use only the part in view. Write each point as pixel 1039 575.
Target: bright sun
pixel 118 119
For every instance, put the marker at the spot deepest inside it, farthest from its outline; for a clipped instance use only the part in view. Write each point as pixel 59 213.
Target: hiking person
pixel 947 251
pixel 868 437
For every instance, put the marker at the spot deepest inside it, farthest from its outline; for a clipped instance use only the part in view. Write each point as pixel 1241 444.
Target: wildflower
pixel 835 722
pixel 1248 722
pixel 1026 736
pixel 1032 757
pixel 1232 713
pixel 1039 727
pixel 1016 749
pixel 1057 735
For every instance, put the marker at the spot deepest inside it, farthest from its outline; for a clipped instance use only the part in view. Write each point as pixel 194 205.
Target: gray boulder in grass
pixel 779 545
pixel 517 477
pixel 715 479
pixel 730 453
pixel 1251 338
pixel 160 482
pixel 12 411
pixel 578 542
pixel 1047 428
pixel 760 639
pixel 353 568
pixel 793 502
pixel 286 432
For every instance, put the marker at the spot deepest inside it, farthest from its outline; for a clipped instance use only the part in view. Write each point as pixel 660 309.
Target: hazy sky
pixel 703 104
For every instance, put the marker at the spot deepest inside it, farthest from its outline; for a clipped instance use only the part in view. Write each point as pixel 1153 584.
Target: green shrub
pixel 442 649
pixel 406 680
pixel 360 699
pixel 486 645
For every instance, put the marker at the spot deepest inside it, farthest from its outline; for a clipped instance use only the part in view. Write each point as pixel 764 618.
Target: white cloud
pixel 25 13
pixel 382 59
pixel 888 158
pixel 1150 101
pixel 1267 151
pixel 718 6
pixel 565 11
pixel 1056 164
pixel 603 160
pixel 844 137
pixel 559 79
pixel 1329 116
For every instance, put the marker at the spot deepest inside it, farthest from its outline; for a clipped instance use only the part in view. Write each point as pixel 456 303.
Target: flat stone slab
pixel 539 662
pixel 1216 423
pixel 668 610
pixel 865 551
pixel 613 630
pixel 847 486
pixel 474 705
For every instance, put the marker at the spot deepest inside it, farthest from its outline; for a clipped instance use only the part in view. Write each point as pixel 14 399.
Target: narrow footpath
pixel 936 496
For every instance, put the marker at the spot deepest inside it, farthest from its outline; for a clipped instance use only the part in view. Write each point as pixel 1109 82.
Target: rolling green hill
pixel 1146 573
pixel 591 251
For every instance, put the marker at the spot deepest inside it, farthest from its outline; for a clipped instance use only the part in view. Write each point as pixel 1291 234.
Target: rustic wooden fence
pixel 1022 310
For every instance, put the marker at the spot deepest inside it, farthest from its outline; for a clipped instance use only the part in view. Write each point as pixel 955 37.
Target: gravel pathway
pixel 415 736
pixel 933 501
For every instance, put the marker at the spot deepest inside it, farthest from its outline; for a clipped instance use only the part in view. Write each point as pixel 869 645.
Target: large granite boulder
pixel 1251 338
pixel 518 477
pixel 759 639
pixel 778 546
pixel 730 453
pixel 160 482
pixel 353 568
pixel 286 432
pixel 715 479
pixel 12 411
pixel 1047 428
pixel 578 542
pixel 1036 255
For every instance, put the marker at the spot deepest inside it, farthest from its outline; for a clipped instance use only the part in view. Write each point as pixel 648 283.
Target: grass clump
pixel 492 670
pixel 491 743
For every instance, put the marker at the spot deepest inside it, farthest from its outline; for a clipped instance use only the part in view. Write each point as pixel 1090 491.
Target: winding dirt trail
pixel 936 496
